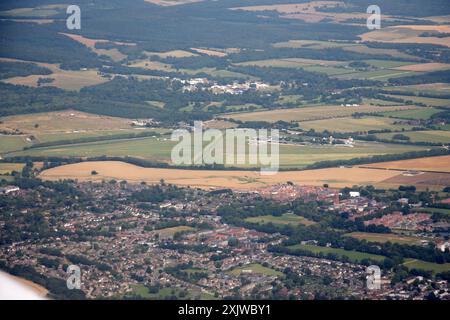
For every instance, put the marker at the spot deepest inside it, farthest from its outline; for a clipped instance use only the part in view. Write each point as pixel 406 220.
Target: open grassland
pixel 312 44
pixel 384 237
pixel 436 102
pixel 380 51
pixel 441 164
pixel 353 124
pixel 64 79
pixel 290 63
pixel 427 266
pixel 285 219
pixel 12 143
pixel 354 256
pixel 62 122
pixel 312 113
pixel 245 180
pixel 255 268
pixel 162 294
pixel 423 113
pixel 210 52
pixel 159 149
pixel 435 136
pixel 379 75
pixel 429 88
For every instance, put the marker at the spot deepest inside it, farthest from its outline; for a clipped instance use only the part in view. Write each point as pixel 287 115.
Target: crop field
pixel 441 164
pixel 423 113
pixel 353 124
pixel 312 113
pixel 354 256
pixel 172 53
pixel 408 34
pixel 255 268
pixel 425 67
pixel 285 219
pixel 243 180
pixel 427 266
pixel 434 136
pixel 382 238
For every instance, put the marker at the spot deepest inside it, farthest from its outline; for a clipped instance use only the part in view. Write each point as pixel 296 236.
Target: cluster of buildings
pixel 235 88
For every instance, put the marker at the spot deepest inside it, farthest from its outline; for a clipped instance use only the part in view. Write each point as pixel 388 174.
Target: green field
pixel 382 238
pixel 12 143
pixel 163 293
pixel 432 102
pixel 171 231
pixel 423 113
pixel 434 136
pixel 353 124
pixel 380 75
pixel 292 156
pixel 310 113
pixel 285 219
pixel 9 167
pixel 427 266
pixel 354 256
pixel 255 268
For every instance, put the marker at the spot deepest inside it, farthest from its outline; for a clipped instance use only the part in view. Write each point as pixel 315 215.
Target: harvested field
pixel 427 179
pixel 441 164
pixel 335 177
pixel 408 34
pixel 209 52
pixel 425 67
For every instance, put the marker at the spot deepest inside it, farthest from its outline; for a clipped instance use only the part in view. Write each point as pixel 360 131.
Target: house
pixel 355 194
pixel 442 245
pixel 9 189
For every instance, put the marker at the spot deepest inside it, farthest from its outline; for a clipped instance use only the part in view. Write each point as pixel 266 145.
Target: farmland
pixel 335 177
pixel 441 163
pixel 422 113
pixel 285 219
pixel 354 256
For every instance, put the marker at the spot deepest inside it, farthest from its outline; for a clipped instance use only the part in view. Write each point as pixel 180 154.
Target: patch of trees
pixel 21 69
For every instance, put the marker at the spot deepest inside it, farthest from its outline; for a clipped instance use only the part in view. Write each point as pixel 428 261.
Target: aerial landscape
pixel 225 150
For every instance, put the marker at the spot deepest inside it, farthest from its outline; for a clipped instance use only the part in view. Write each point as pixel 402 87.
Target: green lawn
pixel 434 136
pixel 255 268
pixel 171 231
pixel 434 102
pixel 416 114
pixel 285 219
pixel 353 124
pixel 427 266
pixel 434 210
pixel 162 294
pixel 382 238
pixel 9 167
pixel 12 143
pixel 354 256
